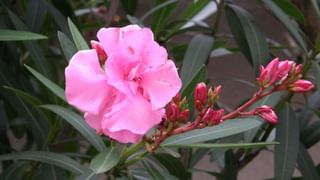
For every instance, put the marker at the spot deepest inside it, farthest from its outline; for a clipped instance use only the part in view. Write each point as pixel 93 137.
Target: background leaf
pixel 105 160
pixel 305 164
pixel 13 35
pixel 78 39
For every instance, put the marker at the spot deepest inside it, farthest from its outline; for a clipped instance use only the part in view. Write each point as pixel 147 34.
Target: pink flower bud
pixel 301 86
pixel 176 98
pixel 269 75
pixel 200 93
pixel 284 68
pixel 184 115
pixel 100 51
pixel 213 117
pixel 266 113
pixel 172 111
pixel 198 105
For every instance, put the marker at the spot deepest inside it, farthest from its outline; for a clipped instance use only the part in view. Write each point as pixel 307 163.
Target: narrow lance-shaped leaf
pixel 46 157
pixel 152 171
pixel 105 160
pixel 79 124
pixel 287 134
pixel 67 46
pixel 13 35
pixel 78 39
pixel 305 164
pixel 35 15
pixel 225 146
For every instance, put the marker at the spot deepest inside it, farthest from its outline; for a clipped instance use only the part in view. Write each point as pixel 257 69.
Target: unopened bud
pixel 213 95
pixel 301 86
pixel 100 51
pixel 176 98
pixel 266 113
pixel 184 115
pixel 200 93
pixel 172 111
pixel 198 105
pixel 212 117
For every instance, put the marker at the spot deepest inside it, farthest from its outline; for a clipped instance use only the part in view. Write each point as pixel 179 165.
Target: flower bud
pixel 269 75
pixel 213 95
pixel 200 93
pixel 212 117
pixel 301 86
pixel 184 115
pixel 172 111
pixel 266 113
pixel 198 105
pixel 100 51
pixel 176 99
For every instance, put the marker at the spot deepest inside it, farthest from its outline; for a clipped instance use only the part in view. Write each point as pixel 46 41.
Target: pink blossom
pixel 266 113
pixel 301 86
pixel 124 97
pixel 269 75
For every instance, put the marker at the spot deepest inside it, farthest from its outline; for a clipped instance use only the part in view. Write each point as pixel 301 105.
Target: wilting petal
pixel 161 84
pixel 123 136
pixel 133 114
pixel 86 85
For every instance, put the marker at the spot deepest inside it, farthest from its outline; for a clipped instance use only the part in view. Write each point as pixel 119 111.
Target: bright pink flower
pixel 125 97
pixel 301 86
pixel 269 75
pixel 200 93
pixel 266 113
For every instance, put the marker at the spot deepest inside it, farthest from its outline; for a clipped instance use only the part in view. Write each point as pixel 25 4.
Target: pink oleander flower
pixel 124 96
pixel 301 86
pixel 266 113
pixel 269 75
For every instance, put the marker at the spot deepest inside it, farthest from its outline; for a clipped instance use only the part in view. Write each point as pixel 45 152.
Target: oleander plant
pixel 107 89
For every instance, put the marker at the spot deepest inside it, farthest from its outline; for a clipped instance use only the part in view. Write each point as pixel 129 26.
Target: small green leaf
pixel 225 146
pixel 248 35
pixel 290 9
pixel 197 54
pixel 79 124
pixel 305 164
pixel 228 128
pixel 152 171
pixel 46 157
pixel 78 39
pixel 105 160
pixel 67 46
pixel 49 84
pixel 287 134
pixel 286 21
pixel 13 35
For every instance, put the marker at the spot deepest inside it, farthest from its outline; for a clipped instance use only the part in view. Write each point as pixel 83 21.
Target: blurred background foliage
pixel 44 138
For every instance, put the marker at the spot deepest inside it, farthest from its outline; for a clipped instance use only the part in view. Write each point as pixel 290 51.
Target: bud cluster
pixel 177 109
pixel 283 75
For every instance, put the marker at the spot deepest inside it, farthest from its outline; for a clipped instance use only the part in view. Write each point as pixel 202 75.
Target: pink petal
pixel 154 55
pixel 86 85
pixel 132 114
pixel 94 121
pixel 161 84
pixel 123 136
pixel 109 38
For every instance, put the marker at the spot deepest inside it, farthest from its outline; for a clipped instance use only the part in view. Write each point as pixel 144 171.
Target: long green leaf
pixel 311 134
pixel 316 70
pixel 105 160
pixel 292 10
pixel 249 36
pixel 152 171
pixel 230 127
pixel 25 96
pixel 225 146
pixel 87 175
pixel 78 39
pixel 197 54
pixel 14 171
pixel 35 50
pixel 287 22
pixel 308 111
pixel 67 46
pixel 287 134
pixel 305 164
pixel 35 15
pixel 49 84
pixel 231 169
pixel 46 157
pixel 13 35
pixel 79 124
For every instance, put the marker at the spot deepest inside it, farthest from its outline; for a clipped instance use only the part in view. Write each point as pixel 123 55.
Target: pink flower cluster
pixel 284 75
pixel 123 83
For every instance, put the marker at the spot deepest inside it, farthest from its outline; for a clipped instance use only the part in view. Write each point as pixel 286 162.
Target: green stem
pixel 131 150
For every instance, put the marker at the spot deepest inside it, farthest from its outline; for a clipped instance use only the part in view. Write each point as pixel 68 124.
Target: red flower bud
pixel 200 93
pixel 213 117
pixel 301 86
pixel 184 115
pixel 266 113
pixel 269 75
pixel 172 111
pixel 100 51
pixel 198 105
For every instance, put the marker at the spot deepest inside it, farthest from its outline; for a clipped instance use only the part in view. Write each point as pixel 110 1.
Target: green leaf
pixel 78 39
pixel 79 124
pixel 49 84
pixel 315 4
pixel 14 171
pixel 311 134
pixel 230 165
pixel 161 17
pixel 290 9
pixel 87 175
pixel 225 146
pixel 105 160
pixel 248 35
pixel 152 171
pixel 13 35
pixel 46 157
pixel 197 54
pixel 35 50
pixel 129 6
pixel 173 165
pixel 305 164
pixel 228 128
pixel 287 134
pixel 67 46
pixel 316 70
pixel 156 8
pixel 49 172
pixel 35 15
pixel 287 22
pixel 200 76
pixel 308 111
pixel 25 96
